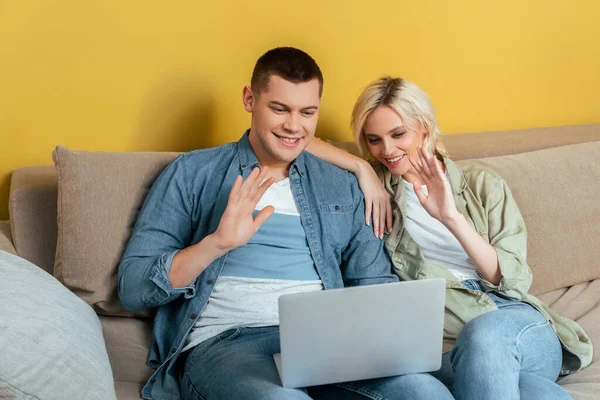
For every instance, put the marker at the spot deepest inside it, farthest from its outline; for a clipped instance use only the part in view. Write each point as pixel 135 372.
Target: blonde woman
pixel 461 224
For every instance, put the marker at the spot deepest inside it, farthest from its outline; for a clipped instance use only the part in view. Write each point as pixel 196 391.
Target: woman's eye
pixel 373 141
pixel 397 135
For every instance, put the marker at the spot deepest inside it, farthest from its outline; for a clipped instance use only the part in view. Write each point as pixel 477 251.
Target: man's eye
pixel 278 110
pixel 308 113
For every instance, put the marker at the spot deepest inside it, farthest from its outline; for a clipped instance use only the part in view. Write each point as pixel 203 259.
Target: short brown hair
pixel 289 63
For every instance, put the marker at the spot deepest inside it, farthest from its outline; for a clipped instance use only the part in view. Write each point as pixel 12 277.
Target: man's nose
pixel 292 122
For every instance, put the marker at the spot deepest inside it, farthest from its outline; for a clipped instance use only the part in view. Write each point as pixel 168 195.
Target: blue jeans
pixel 238 364
pixel 507 354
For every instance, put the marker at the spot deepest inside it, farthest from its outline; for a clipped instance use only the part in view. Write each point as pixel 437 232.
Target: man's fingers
pixel 249 183
pixel 262 189
pixel 255 183
pixel 235 190
pixel 262 216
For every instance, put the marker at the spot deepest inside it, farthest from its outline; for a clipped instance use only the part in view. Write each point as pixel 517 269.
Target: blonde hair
pixel 408 100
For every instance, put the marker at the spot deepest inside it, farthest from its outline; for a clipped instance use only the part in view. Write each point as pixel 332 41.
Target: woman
pixel 461 224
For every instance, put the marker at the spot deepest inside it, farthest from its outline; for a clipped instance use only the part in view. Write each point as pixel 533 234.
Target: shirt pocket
pixel 337 223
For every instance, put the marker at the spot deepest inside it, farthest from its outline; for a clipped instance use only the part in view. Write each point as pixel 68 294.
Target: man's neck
pixel 277 172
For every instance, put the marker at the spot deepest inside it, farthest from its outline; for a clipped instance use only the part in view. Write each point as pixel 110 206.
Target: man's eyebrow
pixel 277 103
pixel 280 104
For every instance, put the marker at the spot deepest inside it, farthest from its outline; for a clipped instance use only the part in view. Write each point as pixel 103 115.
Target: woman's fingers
pixel 419 191
pixel 382 216
pixel 388 215
pixel 418 168
pixel 424 162
pixel 376 219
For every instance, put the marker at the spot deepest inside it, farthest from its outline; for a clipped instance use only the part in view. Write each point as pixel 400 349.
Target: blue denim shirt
pixel 185 205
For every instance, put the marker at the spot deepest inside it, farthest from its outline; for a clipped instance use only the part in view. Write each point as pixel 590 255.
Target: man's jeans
pixel 507 354
pixel 238 364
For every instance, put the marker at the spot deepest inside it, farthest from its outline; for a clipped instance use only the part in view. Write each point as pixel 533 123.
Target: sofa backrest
pixel 33 204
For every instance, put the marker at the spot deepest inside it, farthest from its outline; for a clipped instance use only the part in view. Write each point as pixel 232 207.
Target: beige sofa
pixel 77 224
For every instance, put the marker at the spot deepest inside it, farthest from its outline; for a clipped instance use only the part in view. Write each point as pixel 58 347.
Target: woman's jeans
pixel 238 364
pixel 507 354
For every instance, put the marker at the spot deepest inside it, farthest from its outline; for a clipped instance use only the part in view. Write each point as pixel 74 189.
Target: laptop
pixel 363 332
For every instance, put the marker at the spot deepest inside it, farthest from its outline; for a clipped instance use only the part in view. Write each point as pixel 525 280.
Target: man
pixel 197 253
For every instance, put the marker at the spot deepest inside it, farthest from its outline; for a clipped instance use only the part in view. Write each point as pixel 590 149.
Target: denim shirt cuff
pixel 160 276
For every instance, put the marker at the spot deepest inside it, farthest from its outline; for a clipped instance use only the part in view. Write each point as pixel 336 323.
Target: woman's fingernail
pixel 377 233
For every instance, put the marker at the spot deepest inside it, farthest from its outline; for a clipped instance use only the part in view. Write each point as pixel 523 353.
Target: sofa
pixel 73 220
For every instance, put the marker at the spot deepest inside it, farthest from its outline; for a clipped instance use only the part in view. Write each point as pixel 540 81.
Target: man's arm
pixel 235 229
pixel 364 261
pixel 159 265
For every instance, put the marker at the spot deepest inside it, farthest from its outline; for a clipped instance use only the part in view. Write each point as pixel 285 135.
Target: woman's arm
pixel 377 200
pixel 440 205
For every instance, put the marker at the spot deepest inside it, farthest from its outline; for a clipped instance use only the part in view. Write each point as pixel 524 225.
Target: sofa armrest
pixel 32 211
pixel 6 243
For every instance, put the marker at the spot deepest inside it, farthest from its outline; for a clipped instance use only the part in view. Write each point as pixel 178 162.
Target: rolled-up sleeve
pixel 163 227
pixel 508 235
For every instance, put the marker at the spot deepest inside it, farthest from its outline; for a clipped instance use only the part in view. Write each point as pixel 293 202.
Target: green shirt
pixel 485 200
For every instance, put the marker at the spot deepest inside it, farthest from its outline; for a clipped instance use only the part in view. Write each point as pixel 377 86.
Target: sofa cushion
pixel 51 341
pixel 499 143
pixel 99 197
pixel 128 343
pixel 557 190
pixel 580 303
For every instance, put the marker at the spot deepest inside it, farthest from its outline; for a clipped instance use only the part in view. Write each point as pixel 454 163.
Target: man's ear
pixel 248 98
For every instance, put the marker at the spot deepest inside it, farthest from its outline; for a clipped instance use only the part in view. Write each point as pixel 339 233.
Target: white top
pixel 438 243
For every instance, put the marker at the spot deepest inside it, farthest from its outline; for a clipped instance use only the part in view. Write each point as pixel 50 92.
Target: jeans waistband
pixel 473 284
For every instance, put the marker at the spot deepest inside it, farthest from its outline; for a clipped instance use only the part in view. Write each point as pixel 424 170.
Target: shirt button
pixel 173 350
pixel 193 316
pixel 210 281
pixel 337 207
pixel 243 165
pixel 153 380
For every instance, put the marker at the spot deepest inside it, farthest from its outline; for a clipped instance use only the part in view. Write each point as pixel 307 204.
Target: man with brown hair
pixel 197 253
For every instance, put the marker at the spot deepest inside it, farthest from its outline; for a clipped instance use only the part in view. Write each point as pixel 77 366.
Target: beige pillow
pixel 99 197
pixel 558 192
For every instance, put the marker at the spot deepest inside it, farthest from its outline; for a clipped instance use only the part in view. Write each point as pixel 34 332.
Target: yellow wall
pixel 157 75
